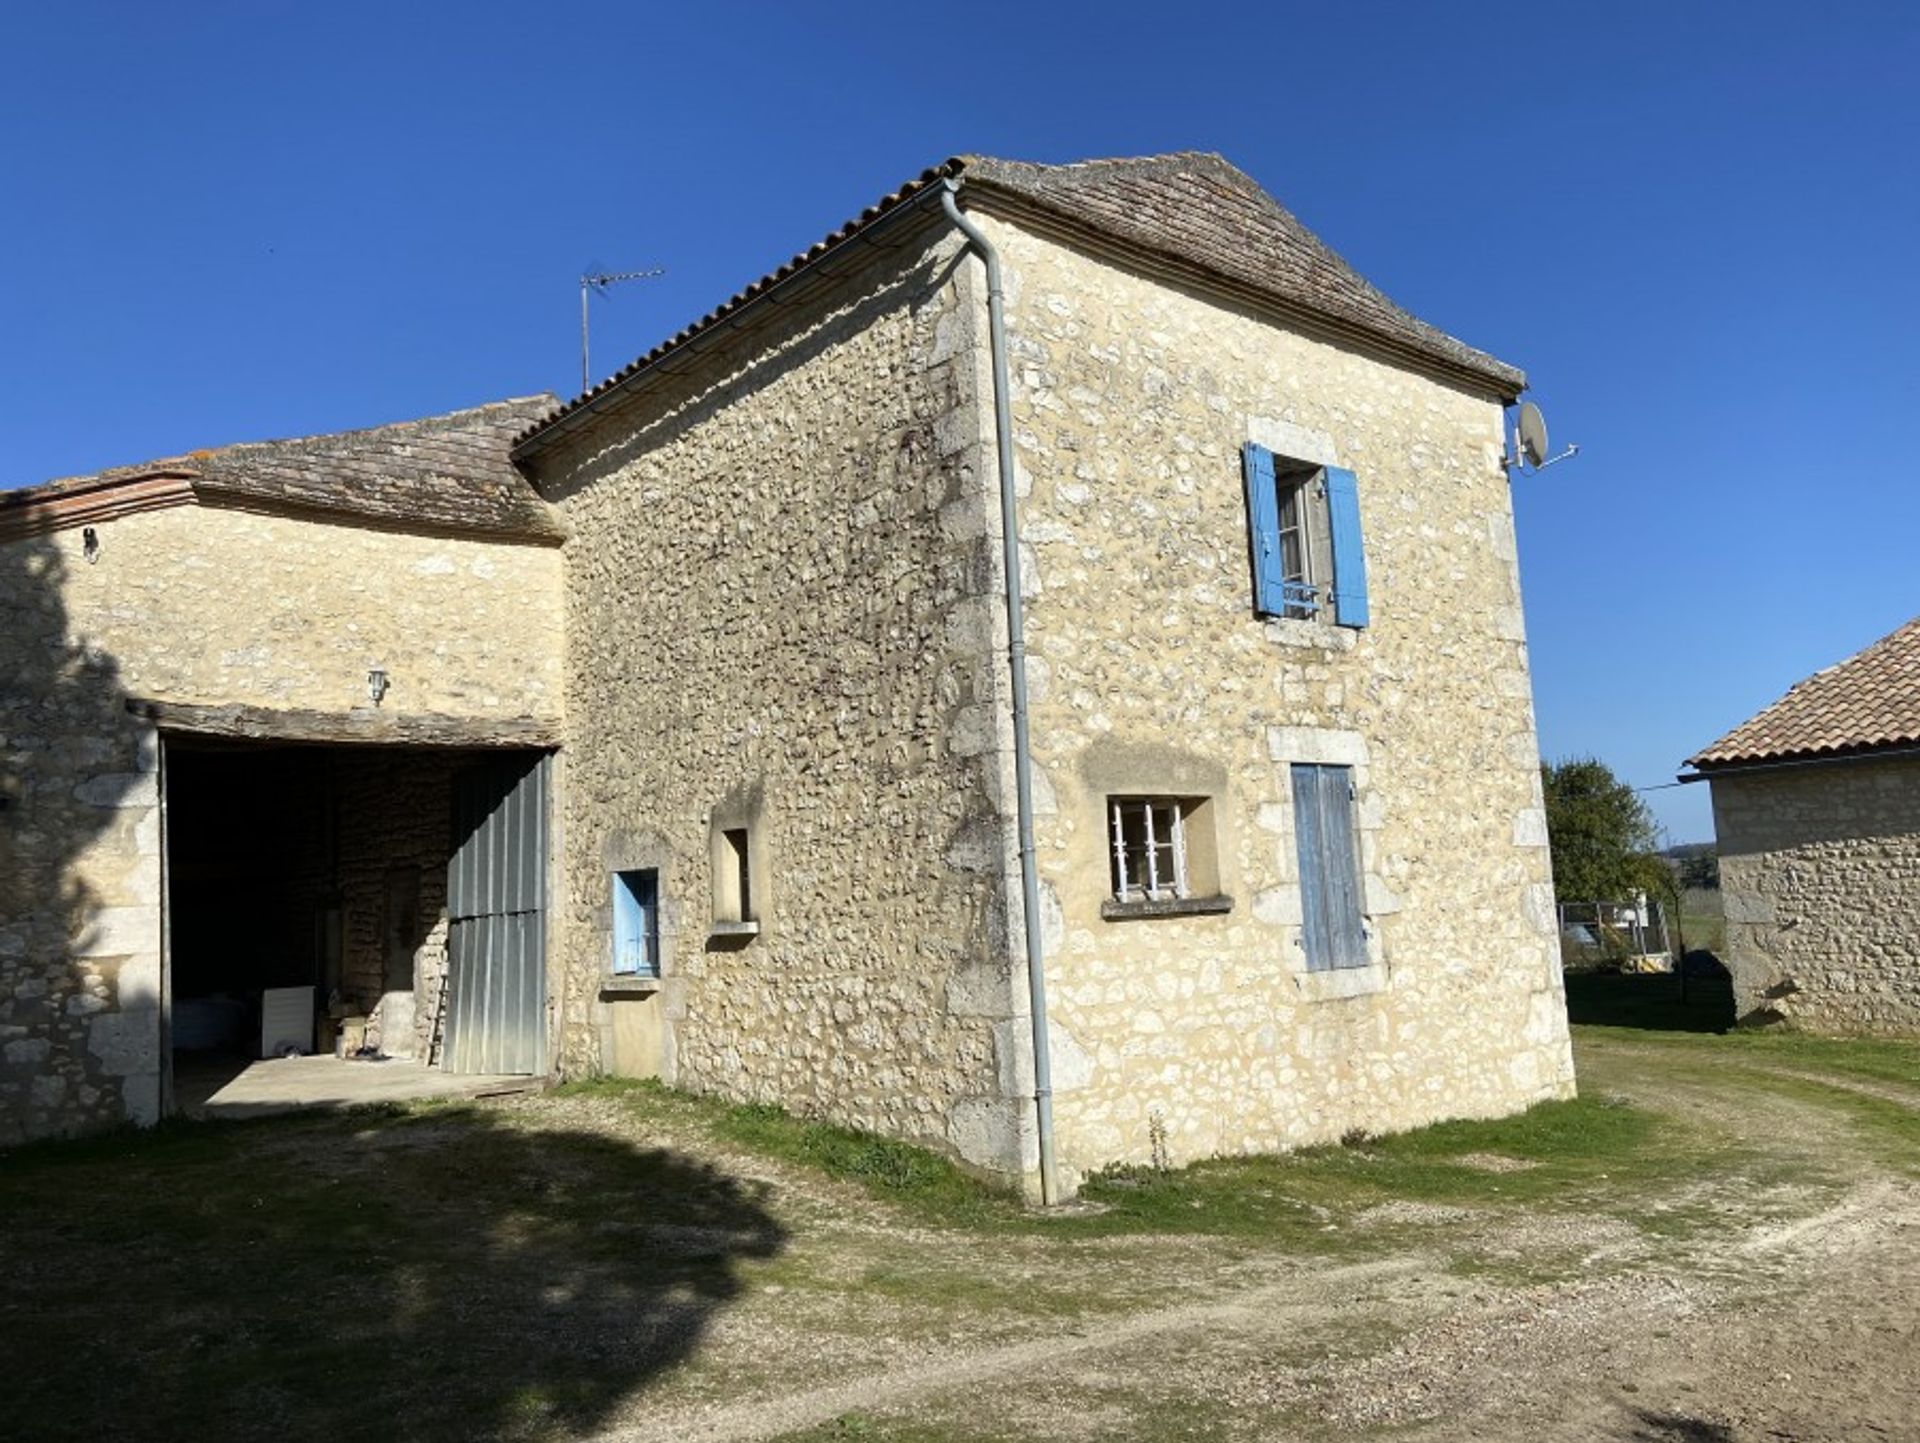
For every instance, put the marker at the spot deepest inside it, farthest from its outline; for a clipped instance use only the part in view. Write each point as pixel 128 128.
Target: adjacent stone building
pixel 1288 851
pixel 1816 809
pixel 200 795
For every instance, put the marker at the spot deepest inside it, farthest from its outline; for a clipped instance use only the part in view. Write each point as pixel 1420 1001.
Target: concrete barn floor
pixel 211 1088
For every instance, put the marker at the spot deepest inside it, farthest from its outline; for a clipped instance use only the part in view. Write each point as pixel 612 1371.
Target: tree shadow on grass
pixel 438 1275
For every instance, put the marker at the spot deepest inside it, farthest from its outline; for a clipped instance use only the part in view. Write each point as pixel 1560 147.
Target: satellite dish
pixel 1530 433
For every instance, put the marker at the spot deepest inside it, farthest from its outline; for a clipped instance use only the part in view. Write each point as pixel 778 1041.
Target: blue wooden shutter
pixel 1333 923
pixel 1313 908
pixel 1349 556
pixel 1263 532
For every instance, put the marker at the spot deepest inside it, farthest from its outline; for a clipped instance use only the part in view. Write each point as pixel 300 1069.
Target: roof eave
pixel 57 506
pixel 806 271
pixel 1706 769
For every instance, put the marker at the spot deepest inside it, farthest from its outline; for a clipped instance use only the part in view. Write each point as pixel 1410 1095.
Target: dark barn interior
pixel 312 867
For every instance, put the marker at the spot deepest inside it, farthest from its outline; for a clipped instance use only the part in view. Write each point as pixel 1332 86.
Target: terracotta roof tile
pixel 1192 209
pixel 1199 208
pixel 452 471
pixel 1870 700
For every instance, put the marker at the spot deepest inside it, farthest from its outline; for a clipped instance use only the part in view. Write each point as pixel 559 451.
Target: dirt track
pixel 1793 1317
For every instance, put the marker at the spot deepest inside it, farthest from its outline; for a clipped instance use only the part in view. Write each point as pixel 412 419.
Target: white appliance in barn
pixel 286 1021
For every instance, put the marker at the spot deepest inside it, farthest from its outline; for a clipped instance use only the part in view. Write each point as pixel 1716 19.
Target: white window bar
pixel 1152 850
pixel 1180 888
pixel 1162 847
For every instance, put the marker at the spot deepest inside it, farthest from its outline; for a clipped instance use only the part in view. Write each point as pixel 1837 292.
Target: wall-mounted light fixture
pixel 90 544
pixel 377 685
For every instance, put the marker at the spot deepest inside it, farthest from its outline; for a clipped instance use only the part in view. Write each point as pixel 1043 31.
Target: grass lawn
pixel 542 1268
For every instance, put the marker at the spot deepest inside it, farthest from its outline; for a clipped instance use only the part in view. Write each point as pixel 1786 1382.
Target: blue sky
pixel 1694 226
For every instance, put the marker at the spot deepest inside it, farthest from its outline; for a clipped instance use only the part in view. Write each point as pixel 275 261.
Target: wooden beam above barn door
pixel 359 726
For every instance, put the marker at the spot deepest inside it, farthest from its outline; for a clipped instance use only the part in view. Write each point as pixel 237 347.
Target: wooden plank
pixel 63 505
pixel 359 726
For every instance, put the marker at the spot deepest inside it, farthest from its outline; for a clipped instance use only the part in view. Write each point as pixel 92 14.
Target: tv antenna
pixel 597 283
pixel 1530 442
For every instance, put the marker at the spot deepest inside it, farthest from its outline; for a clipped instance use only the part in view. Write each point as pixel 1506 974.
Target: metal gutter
pixel 1017 663
pixel 1718 770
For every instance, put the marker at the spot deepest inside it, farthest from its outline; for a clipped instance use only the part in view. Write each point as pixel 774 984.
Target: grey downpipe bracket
pixel 1017 663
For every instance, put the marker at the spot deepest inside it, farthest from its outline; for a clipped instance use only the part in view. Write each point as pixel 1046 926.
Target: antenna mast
pixel 597 283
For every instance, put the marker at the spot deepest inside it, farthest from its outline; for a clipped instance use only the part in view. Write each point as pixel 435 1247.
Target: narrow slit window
pixel 736 877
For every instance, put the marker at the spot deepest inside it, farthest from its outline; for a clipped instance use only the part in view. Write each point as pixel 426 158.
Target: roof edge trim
pixel 28 512
pixel 31 511
pixel 770 288
pixel 1705 771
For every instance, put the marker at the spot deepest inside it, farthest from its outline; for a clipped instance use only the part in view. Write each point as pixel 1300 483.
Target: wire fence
pixel 1631 936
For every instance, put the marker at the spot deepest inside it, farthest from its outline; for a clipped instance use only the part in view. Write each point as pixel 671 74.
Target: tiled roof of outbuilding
pixel 1192 211
pixel 451 472
pixel 1867 702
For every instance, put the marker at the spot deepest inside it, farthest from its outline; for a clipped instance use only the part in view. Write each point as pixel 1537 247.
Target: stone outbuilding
pixel 1816 811
pixel 242 689
pixel 704 707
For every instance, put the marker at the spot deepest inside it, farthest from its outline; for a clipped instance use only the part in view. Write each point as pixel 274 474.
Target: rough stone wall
pixel 779 616
pixel 1152 675
pixel 1820 879
pixel 395 841
pixel 197 605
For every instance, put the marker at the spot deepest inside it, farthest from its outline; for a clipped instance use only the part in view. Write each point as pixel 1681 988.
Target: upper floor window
pixel 1304 533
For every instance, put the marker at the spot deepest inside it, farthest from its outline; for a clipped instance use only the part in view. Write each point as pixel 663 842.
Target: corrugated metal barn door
pixel 496 909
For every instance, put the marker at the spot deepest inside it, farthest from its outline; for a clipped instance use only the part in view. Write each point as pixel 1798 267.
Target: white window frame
pixel 1163 824
pixel 1306 491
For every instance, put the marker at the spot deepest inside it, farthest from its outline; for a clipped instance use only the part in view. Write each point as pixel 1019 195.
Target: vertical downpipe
pixel 1017 663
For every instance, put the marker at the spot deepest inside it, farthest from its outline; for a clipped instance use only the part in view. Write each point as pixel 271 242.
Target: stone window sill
pixel 628 984
pixel 1317 635
pixel 1340 982
pixel 1115 911
pixel 735 929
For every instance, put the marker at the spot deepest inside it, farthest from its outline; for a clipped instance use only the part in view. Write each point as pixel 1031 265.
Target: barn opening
pixel 364 904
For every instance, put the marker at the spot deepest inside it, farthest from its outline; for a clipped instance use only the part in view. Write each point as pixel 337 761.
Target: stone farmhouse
pixel 1040 674
pixel 1816 808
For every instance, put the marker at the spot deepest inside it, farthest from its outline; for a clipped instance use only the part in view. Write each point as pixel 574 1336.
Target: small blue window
pixel 636 923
